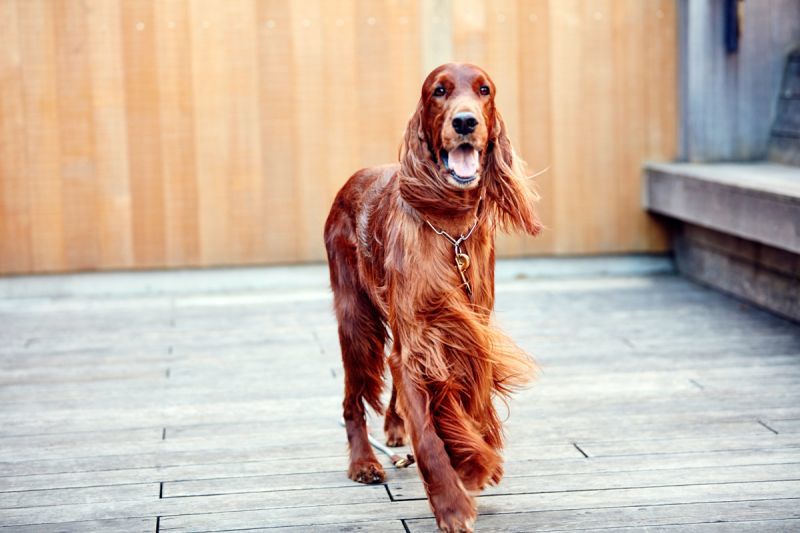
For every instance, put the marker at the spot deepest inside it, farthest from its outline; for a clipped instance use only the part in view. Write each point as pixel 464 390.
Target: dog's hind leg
pixel 362 336
pixel 393 424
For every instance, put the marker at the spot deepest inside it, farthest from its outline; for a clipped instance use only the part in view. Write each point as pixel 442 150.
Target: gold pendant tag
pixel 462 264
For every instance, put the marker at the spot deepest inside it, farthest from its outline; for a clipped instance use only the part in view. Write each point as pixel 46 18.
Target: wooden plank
pixel 436 33
pixel 79 495
pixel 535 124
pixel 173 30
pixel 571 502
pixel 310 93
pixel 143 121
pixel 113 188
pixel 406 484
pixel 723 516
pixel 43 144
pixel 784 425
pixel 120 525
pixel 378 526
pixel 682 445
pixel 744 526
pixel 680 477
pixel 542 429
pixel 243 176
pixel 99 400
pixel 212 129
pixel 498 51
pixel 219 461
pixel 521 461
pixel 262 483
pixel 284 501
pixel 736 93
pixel 267 470
pixel 15 235
pixel 276 119
pixel 75 439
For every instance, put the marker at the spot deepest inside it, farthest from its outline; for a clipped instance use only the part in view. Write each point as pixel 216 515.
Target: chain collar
pixel 461 258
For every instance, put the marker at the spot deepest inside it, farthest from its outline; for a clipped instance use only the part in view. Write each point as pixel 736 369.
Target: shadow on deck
pixel 209 401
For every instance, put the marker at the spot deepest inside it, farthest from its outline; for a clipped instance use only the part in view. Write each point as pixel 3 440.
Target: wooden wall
pixel 150 133
pixel 729 99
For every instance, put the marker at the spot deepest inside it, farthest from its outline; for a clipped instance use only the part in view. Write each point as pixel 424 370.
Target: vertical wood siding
pixel 170 133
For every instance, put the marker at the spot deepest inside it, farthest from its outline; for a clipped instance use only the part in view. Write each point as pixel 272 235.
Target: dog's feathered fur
pixel 390 270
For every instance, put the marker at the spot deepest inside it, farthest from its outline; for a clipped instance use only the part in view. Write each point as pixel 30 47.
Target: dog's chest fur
pixel 394 240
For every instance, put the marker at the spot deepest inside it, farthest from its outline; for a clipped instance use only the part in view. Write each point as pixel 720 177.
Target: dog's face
pixel 458 117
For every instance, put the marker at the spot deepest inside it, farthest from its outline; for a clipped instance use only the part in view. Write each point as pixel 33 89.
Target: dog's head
pixel 456 147
pixel 457 106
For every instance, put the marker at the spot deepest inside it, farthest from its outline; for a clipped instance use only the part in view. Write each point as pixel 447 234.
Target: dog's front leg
pixel 453 508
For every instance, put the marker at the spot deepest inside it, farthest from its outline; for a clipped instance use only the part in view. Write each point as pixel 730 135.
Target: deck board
pixel 660 405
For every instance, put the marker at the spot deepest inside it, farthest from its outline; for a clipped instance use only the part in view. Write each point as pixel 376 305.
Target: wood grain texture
pixel 113 214
pixel 15 238
pixel 146 134
pixel 669 391
pixel 728 100
pixel 43 173
pixel 138 29
pixel 177 133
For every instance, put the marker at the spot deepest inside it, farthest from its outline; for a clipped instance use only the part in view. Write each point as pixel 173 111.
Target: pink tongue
pixel 464 161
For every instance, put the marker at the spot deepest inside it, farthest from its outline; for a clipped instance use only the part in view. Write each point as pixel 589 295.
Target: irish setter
pixel 411 252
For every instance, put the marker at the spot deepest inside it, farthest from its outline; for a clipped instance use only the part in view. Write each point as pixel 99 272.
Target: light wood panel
pixel 153 133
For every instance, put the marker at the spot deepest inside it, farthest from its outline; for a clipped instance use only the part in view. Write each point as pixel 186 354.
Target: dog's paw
pixel 454 511
pixel 395 435
pixel 476 476
pixel 394 428
pixel 366 471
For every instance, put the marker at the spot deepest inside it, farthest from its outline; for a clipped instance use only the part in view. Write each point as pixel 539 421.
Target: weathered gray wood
pixel 681 477
pixel 689 445
pixel 759 273
pixel 119 525
pixel 325 471
pixel 737 227
pixel 756 201
pixel 777 525
pixel 590 501
pixel 75 495
pixel 388 526
pixel 663 384
pixel 124 446
pixel 728 100
pixel 784 146
pixel 755 516
pixel 291 502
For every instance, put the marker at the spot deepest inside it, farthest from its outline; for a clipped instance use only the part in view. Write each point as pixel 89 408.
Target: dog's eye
pixel 485 90
pixel 439 91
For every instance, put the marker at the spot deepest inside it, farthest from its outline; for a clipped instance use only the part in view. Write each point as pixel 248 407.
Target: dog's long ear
pixel 510 198
pixel 414 150
pixel 417 168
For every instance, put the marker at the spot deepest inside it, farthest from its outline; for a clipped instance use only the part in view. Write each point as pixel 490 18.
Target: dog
pixel 411 255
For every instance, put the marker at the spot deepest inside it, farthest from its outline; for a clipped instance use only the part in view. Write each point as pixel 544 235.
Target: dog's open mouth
pixel 463 163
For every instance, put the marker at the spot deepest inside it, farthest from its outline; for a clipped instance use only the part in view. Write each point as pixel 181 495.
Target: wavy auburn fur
pixel 390 270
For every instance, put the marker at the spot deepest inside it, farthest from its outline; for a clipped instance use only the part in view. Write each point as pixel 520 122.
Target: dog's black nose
pixel 464 123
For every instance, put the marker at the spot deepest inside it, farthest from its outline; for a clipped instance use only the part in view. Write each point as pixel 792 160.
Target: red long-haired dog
pixel 394 266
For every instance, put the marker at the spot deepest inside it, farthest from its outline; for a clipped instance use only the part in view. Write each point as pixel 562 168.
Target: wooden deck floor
pixel 209 402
